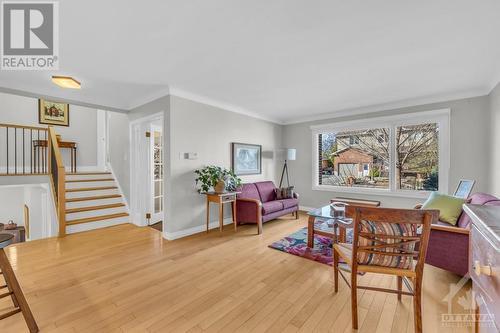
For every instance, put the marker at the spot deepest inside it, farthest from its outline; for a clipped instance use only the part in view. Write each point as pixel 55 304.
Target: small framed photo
pixel 464 188
pixel 246 159
pixel 53 113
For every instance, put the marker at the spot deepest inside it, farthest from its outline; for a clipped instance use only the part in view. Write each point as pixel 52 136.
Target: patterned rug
pixel 296 244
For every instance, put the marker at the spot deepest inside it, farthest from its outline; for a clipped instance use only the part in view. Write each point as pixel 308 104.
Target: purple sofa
pixel 449 245
pixel 257 203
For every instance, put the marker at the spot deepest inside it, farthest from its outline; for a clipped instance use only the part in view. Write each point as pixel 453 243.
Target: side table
pixel 220 199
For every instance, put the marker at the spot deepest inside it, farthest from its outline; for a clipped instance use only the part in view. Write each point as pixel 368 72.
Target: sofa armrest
pixel 450 228
pixel 252 211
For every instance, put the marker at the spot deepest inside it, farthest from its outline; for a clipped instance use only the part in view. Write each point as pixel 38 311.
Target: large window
pixel 405 154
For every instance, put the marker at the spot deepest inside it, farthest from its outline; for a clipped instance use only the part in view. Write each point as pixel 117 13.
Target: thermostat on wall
pixel 190 156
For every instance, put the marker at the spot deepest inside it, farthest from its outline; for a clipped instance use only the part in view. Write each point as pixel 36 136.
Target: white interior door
pixel 156 150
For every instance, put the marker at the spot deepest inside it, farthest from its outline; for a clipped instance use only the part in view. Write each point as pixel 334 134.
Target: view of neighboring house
pixel 249 166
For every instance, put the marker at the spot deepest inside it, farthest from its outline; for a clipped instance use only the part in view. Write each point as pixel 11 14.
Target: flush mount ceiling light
pixel 66 82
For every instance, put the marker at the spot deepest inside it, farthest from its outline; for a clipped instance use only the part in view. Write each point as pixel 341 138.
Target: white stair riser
pixel 98 176
pixel 79 204
pixel 93 213
pixel 83 194
pixel 91 184
pixel 95 225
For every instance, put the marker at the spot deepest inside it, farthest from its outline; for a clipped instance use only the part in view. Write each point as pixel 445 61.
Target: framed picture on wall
pixel 464 188
pixel 53 113
pixel 246 159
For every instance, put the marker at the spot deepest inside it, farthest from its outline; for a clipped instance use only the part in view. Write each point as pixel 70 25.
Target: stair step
pixel 96 218
pixel 83 189
pixel 88 173
pixel 90 180
pixel 91 208
pixel 97 197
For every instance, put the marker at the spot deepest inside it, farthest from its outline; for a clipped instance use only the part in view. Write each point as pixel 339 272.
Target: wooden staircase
pixel 93 201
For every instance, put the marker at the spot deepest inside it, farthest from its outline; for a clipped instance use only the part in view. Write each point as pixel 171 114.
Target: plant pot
pixel 220 187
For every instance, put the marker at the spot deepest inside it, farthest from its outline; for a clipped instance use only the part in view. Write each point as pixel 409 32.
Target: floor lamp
pixel 291 155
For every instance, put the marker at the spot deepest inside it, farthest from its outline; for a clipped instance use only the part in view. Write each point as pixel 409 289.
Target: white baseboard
pixel 194 230
pixel 305 208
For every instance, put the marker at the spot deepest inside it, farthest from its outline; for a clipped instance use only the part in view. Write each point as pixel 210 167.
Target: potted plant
pixel 217 178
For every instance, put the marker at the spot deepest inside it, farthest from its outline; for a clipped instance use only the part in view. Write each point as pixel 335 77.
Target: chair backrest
pixel 266 190
pixel 389 237
pixel 248 191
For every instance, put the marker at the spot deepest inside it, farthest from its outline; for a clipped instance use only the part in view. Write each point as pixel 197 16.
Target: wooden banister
pixel 57 174
pixel 23 126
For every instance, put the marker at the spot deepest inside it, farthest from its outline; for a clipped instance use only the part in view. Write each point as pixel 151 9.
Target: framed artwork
pixel 464 188
pixel 246 159
pixel 53 113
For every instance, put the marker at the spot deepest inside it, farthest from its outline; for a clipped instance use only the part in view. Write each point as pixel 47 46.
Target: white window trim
pixel 441 117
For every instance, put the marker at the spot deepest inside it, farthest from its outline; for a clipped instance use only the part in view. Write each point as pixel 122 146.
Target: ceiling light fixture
pixel 66 82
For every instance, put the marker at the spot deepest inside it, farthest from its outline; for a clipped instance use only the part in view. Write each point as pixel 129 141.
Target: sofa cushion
pixel 477 199
pixel 449 207
pixel 249 191
pixel 271 207
pixel 266 191
pixel 287 203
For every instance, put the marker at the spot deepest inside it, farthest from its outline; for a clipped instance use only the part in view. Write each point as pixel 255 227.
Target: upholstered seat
pixel 271 207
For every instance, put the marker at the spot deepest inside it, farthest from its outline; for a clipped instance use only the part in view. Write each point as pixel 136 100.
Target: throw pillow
pixel 284 193
pixel 449 207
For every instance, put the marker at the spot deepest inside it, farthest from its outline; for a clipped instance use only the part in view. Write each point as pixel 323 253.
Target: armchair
pixel 449 245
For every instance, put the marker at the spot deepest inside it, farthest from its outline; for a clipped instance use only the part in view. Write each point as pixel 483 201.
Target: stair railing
pixel 57 174
pixel 23 150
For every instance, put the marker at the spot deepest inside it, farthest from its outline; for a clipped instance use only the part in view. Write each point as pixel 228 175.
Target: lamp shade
pixel 291 154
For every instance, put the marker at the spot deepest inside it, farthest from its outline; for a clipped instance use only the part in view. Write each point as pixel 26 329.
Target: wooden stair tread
pixel 91 208
pixel 90 180
pixel 97 197
pixel 83 189
pixel 88 173
pixel 96 218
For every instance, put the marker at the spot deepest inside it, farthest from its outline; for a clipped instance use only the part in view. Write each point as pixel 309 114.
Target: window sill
pixel 378 192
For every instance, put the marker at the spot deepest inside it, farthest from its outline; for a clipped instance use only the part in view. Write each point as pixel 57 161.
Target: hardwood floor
pixel 126 278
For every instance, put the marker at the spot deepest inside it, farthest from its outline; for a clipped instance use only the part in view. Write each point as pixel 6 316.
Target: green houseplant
pixel 217 178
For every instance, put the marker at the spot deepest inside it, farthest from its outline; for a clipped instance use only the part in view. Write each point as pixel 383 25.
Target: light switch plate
pixel 190 156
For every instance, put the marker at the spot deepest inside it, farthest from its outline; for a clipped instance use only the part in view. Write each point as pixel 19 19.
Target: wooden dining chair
pixel 386 241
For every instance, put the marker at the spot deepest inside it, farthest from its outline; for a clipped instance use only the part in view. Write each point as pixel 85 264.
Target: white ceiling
pixel 281 60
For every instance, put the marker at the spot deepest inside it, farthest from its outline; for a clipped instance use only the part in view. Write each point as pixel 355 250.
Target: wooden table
pixel 221 199
pixel 328 227
pixel 42 145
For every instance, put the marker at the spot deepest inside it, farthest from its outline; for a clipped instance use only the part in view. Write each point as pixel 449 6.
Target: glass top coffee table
pixel 325 221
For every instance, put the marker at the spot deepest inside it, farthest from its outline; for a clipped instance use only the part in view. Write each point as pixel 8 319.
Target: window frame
pixel 440 117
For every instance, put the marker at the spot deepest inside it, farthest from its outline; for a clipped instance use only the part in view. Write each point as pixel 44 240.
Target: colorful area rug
pixel 296 244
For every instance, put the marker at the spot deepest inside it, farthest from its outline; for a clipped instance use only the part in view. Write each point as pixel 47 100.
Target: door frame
pixel 140 184
pixel 155 217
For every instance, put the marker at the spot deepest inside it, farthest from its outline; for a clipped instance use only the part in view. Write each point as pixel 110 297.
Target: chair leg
pixel 11 281
pixel 417 304
pixel 354 299
pixel 335 270
pixel 400 287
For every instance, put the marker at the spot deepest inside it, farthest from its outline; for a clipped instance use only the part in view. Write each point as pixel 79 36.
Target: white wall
pixel 119 147
pixel 209 131
pixel 494 152
pixel 20 110
pixel 469 140
pixel 38 198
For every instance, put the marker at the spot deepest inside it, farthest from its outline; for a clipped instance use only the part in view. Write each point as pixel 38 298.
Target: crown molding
pixel 221 105
pixel 477 92
pixel 149 98
pixel 59 99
